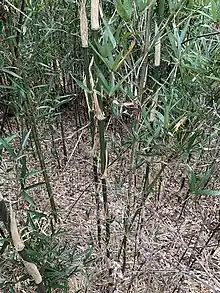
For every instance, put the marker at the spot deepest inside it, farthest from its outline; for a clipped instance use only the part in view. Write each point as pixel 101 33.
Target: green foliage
pixel 124 8
pixel 57 261
pixel 141 5
pixel 45 248
pixel 214 10
pixel 165 113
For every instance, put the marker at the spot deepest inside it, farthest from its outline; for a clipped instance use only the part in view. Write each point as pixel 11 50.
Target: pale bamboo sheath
pixel 83 25
pixel 95 15
pixel 19 246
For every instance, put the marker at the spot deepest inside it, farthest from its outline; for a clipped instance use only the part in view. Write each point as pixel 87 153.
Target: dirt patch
pixel 175 250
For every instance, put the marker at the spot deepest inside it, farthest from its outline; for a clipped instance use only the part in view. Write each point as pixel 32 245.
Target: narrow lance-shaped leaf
pixel 11 73
pixel 82 85
pixel 184 30
pixel 116 66
pixel 214 10
pixel 24 142
pixel 124 8
pixel 28 198
pixel 166 115
pixel 208 192
pixel 8 148
pixel 141 5
pixel 108 31
pixel 102 79
pixel 205 178
pixel 105 60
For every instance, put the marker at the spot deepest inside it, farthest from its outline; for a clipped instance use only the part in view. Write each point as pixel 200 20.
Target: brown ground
pixel 175 252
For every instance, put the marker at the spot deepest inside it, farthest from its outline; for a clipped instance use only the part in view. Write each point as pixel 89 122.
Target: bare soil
pixel 175 251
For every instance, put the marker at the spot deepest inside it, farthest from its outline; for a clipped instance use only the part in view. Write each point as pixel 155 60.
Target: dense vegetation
pixel 145 77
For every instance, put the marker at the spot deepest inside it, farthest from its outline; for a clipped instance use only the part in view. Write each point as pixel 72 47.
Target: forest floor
pixel 175 251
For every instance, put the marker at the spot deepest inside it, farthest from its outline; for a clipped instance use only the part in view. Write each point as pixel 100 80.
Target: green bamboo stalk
pixel 98 105
pixel 54 148
pixel 84 40
pixel 43 168
pixel 18 35
pixel 161 10
pixel 143 72
pixel 146 191
pixel 103 156
pixel 29 110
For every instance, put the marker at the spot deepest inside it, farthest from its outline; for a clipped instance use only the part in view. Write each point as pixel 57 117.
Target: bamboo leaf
pixel 109 33
pixel 102 79
pixel 23 171
pixel 204 180
pixel 28 198
pixel 117 61
pixel 24 142
pixel 11 73
pixel 184 31
pixel 214 10
pixel 32 173
pixel 124 8
pixel 81 85
pixel 105 60
pixel 141 5
pixel 5 143
pixel 172 42
pixel 208 192
pixel 192 181
pixel 36 215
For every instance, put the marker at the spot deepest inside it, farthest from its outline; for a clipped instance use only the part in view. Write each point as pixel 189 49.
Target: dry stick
pixel 187 196
pixel 97 200
pixel 76 144
pixel 216 229
pixel 30 112
pixel 93 130
pixel 128 208
pixel 84 40
pixel 202 36
pixel 76 201
pixel 144 198
pixel 139 272
pixel 76 109
pixel 63 139
pixel 140 220
pixel 192 255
